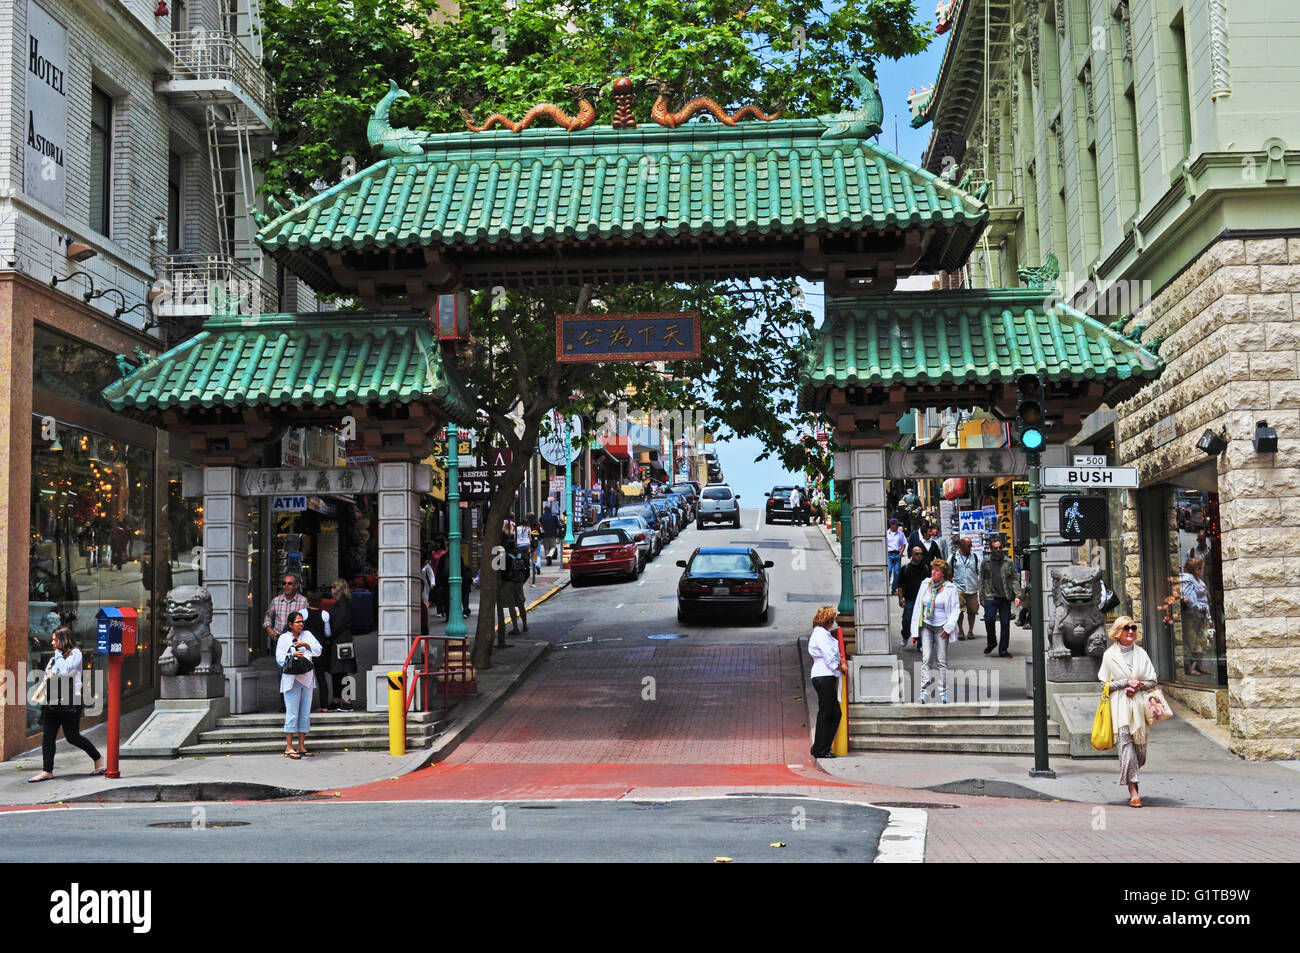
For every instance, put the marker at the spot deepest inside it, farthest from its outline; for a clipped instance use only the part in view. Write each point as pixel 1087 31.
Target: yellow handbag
pixel 1103 732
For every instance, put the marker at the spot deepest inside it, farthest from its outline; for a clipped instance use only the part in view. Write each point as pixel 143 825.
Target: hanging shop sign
pixel 288 504
pixel 45 125
pixel 475 485
pixel 553 441
pixel 659 336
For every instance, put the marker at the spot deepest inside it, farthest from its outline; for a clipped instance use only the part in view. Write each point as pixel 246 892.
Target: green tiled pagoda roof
pixel 545 189
pixel 962 66
pixel 296 361
pixel 936 338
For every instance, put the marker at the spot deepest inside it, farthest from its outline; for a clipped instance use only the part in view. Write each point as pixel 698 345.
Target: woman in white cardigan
pixel 934 625
pixel 1127 669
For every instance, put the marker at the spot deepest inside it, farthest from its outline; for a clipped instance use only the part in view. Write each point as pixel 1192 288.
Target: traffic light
pixel 1084 517
pixel 1020 528
pixel 1029 413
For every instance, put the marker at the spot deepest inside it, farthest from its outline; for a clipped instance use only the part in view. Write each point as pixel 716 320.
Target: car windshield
pixel 717 493
pixel 706 563
pixel 603 539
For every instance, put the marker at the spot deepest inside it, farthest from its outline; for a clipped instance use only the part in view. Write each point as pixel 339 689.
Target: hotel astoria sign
pixel 46 120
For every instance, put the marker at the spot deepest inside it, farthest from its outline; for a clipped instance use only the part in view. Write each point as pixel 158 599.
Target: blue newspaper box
pixel 116 629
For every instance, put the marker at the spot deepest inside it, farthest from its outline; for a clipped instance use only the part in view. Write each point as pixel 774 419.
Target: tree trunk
pixel 489 577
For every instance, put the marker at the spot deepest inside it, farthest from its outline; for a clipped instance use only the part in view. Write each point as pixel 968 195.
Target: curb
pixel 830 540
pixel 187 792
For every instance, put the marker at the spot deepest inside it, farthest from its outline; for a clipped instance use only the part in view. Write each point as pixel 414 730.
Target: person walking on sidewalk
pixel 296 689
pixel 827 666
pixel 1196 614
pixel 895 547
pixel 1127 669
pixel 551 532
pixel 910 578
pixel 966 574
pixel 999 585
pixel 796 507
pixel 934 623
pixel 61 705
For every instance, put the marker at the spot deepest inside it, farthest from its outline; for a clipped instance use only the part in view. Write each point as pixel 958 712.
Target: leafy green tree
pixel 331 61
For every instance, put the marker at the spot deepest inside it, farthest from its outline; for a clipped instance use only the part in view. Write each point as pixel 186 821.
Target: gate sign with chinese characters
pixel 942 464
pixel 663 336
pixel 306 482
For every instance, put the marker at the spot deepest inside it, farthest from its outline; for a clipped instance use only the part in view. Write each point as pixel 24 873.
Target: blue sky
pixel 749 478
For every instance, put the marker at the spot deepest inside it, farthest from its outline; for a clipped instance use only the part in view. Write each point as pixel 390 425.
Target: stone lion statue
pixel 191 649
pixel 1077 625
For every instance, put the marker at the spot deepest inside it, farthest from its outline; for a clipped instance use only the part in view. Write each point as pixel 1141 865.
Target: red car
pixel 604 552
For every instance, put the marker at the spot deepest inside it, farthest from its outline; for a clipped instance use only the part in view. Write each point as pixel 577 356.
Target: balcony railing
pixel 203 285
pixel 219 57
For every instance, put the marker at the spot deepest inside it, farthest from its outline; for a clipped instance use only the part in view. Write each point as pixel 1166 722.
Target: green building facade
pixel 1152 147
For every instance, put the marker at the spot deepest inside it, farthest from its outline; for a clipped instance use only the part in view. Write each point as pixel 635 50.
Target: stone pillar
pixel 399 574
pixel 871 670
pixel 225 575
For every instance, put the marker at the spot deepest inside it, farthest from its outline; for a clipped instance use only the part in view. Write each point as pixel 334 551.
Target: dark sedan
pixel 723 580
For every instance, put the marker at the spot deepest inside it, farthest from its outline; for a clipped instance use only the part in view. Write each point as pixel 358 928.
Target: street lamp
pixel 456 627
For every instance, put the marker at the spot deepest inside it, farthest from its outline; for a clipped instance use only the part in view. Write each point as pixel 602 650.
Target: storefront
pixel 1181 545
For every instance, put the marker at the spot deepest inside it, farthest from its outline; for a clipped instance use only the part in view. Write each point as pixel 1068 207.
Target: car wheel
pixel 575 581
pixel 699 524
pixel 762 616
pixel 682 616
pixel 736 524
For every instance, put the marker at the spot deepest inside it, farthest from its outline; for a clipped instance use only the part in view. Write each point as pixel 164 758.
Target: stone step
pixel 358 718
pixel 906 727
pixel 220 749
pixel 955 745
pixel 358 732
pixel 992 708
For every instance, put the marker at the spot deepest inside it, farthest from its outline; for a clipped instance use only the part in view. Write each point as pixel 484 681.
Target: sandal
pixel 1135 801
pixel 306 754
pixel 292 754
pixel 39 778
pixel 98 772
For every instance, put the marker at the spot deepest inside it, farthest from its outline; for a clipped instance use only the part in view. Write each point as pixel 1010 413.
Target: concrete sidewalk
pixel 258 776
pixel 1188 761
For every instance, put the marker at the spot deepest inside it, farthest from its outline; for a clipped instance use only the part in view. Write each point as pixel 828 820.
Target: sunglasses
pixel 1130 628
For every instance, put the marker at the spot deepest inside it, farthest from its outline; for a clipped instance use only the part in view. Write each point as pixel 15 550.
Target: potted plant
pixel 833 511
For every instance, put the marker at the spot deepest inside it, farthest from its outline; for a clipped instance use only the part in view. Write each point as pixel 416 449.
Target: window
pixel 101 158
pixel 1184 85
pixel 175 178
pixel 1135 151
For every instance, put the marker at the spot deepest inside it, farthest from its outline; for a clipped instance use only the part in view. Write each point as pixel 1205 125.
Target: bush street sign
pixel 1091 478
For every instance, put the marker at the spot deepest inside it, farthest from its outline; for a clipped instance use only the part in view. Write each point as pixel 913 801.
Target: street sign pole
pixel 456 627
pixel 1040 768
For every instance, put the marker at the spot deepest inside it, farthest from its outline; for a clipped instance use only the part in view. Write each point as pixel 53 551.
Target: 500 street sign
pixel 1096 478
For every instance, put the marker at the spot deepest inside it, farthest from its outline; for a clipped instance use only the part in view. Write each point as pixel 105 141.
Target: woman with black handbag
pixel 61 707
pixel 343 660
pixel 294 653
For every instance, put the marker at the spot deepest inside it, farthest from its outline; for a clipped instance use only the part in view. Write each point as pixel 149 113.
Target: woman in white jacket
pixel 934 624
pixel 1127 669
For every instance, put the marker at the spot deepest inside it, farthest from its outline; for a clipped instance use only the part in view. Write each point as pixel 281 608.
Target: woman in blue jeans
pixel 297 688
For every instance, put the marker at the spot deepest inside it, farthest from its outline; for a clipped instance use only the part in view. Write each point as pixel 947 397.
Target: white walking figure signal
pixel 1072 519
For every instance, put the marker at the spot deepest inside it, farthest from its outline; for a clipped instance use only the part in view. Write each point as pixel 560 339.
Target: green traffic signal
pixel 1031 438
pixel 1029 413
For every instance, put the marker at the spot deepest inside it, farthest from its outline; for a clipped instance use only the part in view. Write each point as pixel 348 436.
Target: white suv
pixel 718 505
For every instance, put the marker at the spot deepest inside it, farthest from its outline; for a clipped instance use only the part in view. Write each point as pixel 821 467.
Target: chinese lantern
pixel 954 487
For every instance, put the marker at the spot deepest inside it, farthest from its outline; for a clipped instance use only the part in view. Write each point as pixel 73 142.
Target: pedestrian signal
pixel 1084 517
pixel 1020 528
pixel 1029 413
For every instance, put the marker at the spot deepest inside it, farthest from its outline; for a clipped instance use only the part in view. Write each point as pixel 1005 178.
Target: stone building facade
pixel 1231 342
pixel 1151 147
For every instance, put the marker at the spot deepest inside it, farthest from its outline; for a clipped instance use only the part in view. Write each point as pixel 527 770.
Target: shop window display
pixel 91 534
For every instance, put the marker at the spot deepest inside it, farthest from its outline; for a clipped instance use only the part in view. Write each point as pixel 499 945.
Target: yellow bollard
pixel 840 746
pixel 396 714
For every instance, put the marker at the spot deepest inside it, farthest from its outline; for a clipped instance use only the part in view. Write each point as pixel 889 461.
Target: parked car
pixel 723 580
pixel 718 505
pixel 654 518
pixel 601 553
pixel 641 534
pixel 680 507
pixel 688 496
pixel 778 505
pixel 669 517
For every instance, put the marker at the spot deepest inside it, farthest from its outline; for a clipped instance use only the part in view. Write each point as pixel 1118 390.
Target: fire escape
pixel 218 76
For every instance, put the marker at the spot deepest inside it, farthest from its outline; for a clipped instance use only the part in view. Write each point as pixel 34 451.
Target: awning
pixel 617 447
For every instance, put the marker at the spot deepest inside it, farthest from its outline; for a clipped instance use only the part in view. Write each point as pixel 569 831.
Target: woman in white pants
pixel 934 624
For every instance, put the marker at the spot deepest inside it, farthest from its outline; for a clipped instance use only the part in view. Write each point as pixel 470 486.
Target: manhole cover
pixel 190 825
pixel 923 805
pixel 664 635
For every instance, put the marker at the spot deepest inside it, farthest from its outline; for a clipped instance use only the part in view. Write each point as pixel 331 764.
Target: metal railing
pixel 204 285
pixel 218 56
pixel 449 673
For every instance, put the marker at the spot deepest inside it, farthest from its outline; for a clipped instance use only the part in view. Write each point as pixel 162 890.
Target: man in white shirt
pixel 796 506
pixel 895 546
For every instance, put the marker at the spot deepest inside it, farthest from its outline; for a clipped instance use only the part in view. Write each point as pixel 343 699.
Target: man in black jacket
pixel 551 531
pixel 914 572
